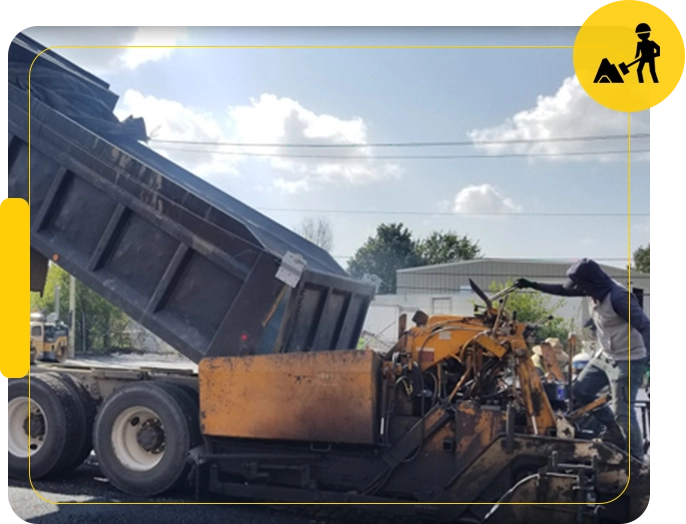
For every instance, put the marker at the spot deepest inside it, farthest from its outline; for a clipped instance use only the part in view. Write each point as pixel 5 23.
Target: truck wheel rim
pixel 138 438
pixel 20 442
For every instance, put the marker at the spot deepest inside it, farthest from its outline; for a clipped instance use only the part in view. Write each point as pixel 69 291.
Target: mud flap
pixel 39 271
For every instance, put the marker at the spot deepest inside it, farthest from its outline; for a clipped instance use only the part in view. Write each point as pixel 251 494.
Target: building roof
pixel 518 262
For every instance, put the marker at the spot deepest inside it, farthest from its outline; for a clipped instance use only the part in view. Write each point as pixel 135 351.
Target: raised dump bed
pixel 206 273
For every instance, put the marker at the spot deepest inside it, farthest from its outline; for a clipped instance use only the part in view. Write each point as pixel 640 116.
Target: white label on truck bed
pixel 291 269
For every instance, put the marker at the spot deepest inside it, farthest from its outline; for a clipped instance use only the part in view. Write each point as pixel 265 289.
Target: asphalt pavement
pixel 85 497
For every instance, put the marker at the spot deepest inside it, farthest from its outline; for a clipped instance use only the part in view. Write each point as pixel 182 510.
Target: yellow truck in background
pixel 49 338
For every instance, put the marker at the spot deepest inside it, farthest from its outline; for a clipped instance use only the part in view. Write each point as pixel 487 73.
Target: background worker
pixel 559 352
pixel 612 308
pixel 579 362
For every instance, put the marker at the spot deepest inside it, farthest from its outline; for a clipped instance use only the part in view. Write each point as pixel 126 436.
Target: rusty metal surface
pixel 475 429
pixel 541 420
pixel 325 396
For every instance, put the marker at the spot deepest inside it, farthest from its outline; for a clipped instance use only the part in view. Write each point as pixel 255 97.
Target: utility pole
pixel 57 301
pixel 72 315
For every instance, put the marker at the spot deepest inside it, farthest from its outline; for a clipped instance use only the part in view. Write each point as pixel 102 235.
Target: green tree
pixel 392 248
pixel 642 259
pixel 103 324
pixel 537 308
pixel 441 248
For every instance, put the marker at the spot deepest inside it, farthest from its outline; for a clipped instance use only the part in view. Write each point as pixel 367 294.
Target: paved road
pixel 84 497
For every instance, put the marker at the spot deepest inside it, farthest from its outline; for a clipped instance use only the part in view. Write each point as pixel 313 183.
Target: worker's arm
pixel 657 49
pixel 638 49
pixel 627 307
pixel 550 289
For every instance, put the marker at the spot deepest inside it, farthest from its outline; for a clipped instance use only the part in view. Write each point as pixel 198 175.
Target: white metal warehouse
pixel 444 289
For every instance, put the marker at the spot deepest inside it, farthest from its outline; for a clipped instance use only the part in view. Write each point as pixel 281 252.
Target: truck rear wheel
pixel 86 408
pixel 142 437
pixel 40 430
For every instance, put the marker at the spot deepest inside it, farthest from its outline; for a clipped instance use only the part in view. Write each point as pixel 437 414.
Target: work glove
pixel 523 283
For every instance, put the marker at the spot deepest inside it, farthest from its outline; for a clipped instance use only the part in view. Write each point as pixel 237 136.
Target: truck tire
pixel 86 408
pixel 191 409
pixel 142 437
pixel 46 450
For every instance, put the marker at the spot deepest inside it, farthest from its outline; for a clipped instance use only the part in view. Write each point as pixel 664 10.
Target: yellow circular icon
pixel 628 56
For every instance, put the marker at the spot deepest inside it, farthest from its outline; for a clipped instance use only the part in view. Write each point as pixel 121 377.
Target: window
pixel 36 331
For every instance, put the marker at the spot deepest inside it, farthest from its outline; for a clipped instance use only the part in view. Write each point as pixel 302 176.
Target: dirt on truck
pixel 453 424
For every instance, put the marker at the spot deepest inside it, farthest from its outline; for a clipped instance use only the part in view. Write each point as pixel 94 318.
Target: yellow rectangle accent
pixel 14 274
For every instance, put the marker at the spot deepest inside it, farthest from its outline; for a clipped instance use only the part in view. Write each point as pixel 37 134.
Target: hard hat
pixel 643 28
pixel 579 361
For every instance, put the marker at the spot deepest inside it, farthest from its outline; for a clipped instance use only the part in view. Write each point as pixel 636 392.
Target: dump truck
pixel 453 424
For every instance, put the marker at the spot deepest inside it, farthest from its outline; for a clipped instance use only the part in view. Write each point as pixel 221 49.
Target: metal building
pixel 444 289
pixel 454 278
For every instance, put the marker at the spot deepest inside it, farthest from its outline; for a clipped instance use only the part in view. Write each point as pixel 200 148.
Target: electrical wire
pixel 588 138
pixel 402 157
pixel 623 214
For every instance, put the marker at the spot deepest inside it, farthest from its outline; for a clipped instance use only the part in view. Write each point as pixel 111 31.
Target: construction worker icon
pixel 646 53
pixel 612 47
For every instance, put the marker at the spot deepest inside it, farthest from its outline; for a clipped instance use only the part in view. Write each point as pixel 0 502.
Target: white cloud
pixel 267 120
pixel 484 200
pixel 568 113
pixel 131 58
pixel 105 60
pixel 171 120
pixel 291 186
pixel 281 121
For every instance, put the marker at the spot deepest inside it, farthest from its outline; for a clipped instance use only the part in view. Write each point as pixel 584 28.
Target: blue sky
pixel 371 96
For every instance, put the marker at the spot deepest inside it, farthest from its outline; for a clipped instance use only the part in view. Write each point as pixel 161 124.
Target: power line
pixel 455 214
pixel 523 259
pixel 404 157
pixel 635 136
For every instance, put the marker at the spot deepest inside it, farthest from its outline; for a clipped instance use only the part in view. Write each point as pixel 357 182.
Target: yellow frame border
pixel 338 47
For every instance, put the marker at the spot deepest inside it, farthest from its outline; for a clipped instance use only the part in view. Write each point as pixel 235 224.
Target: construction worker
pixel 612 308
pixel 579 362
pixel 559 352
pixel 537 359
pixel 648 50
